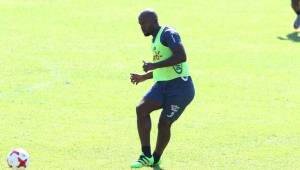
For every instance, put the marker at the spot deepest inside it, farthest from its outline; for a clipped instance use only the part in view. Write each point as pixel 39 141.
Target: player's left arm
pixel 173 41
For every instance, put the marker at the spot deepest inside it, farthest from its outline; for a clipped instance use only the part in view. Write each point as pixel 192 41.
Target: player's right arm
pixel 136 78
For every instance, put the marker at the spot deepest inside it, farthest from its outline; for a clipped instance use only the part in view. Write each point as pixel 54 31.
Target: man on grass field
pixel 172 91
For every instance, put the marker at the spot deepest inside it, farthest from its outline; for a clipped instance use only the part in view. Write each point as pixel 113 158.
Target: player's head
pixel 148 21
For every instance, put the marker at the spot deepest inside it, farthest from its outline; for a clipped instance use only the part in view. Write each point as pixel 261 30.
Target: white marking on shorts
pixel 174 109
pixel 184 78
pixel 171 114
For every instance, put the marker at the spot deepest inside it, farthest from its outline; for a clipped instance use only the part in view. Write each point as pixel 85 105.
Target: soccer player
pixel 172 91
pixel 296 7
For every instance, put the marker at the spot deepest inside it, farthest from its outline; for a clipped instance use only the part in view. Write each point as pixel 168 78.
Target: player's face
pixel 147 27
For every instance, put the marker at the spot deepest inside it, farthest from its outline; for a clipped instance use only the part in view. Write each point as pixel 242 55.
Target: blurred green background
pixel 65 94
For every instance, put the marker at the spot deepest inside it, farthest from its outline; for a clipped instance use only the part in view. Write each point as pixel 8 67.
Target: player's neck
pixel 155 32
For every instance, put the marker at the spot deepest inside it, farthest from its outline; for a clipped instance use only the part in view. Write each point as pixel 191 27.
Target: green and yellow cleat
pixel 142 162
pixel 156 164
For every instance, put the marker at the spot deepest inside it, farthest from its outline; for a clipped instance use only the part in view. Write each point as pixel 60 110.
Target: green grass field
pixel 65 94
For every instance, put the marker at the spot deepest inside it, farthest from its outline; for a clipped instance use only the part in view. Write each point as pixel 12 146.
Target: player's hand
pixel 136 78
pixel 147 66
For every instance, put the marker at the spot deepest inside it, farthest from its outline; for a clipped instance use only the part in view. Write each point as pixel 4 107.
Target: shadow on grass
pixel 294 36
pixel 157 168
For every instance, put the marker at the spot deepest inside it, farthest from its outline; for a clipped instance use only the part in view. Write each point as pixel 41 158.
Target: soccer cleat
pixel 156 164
pixel 297 22
pixel 143 161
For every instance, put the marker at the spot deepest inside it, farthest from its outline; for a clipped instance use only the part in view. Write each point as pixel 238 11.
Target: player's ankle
pixel 146 151
pixel 156 157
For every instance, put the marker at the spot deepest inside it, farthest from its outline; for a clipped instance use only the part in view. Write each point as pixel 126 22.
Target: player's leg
pixel 179 96
pixel 296 5
pixel 152 101
pixel 143 111
pixel 163 138
pixel 164 130
pixel 296 8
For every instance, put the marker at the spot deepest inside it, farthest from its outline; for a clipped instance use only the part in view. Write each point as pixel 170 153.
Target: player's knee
pixel 140 111
pixel 164 124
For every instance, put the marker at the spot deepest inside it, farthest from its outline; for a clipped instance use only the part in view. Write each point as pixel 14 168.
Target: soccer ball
pixel 18 159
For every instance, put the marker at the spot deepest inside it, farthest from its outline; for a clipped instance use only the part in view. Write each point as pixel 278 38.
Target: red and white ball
pixel 18 159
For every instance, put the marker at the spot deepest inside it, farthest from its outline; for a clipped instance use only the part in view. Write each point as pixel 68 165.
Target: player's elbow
pixel 182 58
pixel 179 58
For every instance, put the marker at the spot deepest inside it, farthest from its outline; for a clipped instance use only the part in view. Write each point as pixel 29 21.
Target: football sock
pixel 147 151
pixel 156 157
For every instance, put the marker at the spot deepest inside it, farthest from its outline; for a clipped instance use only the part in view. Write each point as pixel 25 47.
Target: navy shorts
pixel 174 95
